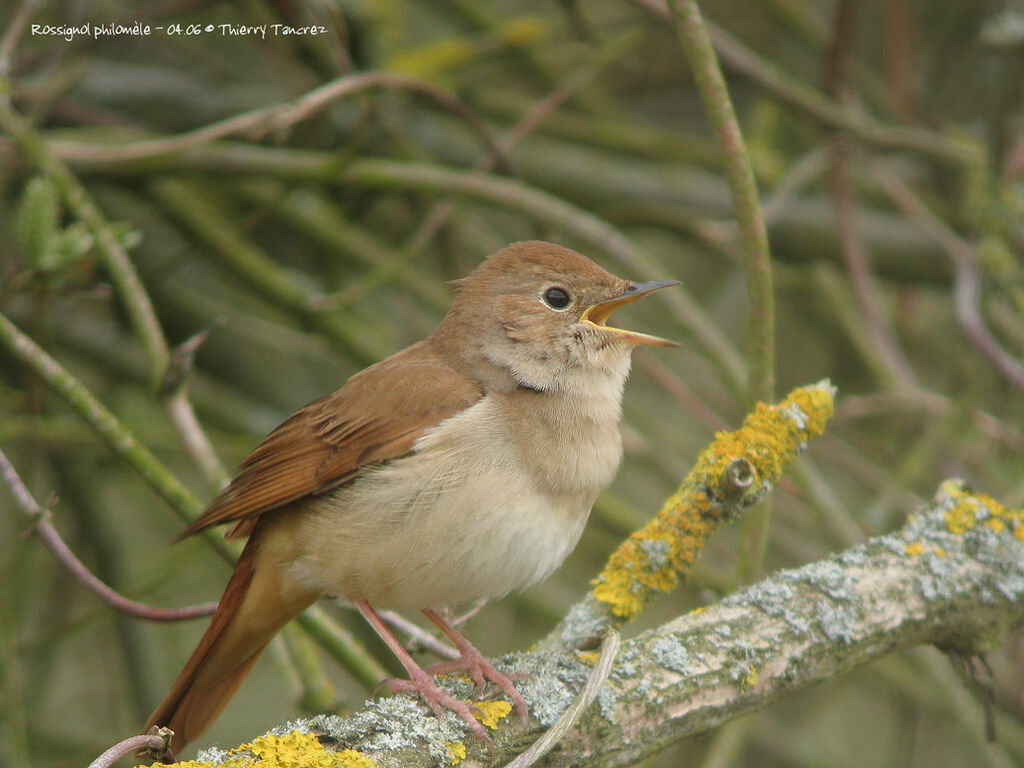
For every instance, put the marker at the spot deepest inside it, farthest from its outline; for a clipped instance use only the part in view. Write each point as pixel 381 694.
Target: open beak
pixel 597 315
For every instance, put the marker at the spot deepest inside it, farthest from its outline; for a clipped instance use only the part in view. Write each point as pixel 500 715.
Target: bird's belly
pixel 462 519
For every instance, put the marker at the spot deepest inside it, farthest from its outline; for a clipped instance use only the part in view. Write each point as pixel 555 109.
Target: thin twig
pixel 466 615
pixel 768 75
pixel 420 636
pixel 191 204
pixel 379 173
pixel 799 175
pixel 564 724
pixel 42 526
pixel 844 195
pixel 526 125
pixel 179 409
pixel 150 742
pixel 339 643
pixel 966 290
pixel 279 117
pixel 858 267
pixel 854 407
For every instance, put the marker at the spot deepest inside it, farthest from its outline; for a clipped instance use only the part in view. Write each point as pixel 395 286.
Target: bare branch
pixel 154 743
pixel 51 538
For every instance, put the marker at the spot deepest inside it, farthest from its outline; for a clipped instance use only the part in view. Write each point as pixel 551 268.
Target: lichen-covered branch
pixel 731 474
pixel 952 577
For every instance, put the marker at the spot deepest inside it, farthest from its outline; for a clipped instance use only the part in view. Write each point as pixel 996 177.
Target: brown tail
pixel 254 606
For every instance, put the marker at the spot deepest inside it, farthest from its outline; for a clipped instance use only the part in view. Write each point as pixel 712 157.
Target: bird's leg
pixel 420 682
pixel 473 662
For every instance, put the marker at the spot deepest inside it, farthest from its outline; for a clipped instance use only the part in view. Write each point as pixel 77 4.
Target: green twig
pixel 315 690
pixel 204 218
pixel 715 95
pixel 316 216
pixel 279 117
pixel 118 437
pixel 343 646
pixel 528 122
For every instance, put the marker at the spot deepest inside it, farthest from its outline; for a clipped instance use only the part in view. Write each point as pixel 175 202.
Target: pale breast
pixel 484 506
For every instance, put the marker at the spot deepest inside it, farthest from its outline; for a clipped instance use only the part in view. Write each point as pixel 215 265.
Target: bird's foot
pixel 438 700
pixel 482 671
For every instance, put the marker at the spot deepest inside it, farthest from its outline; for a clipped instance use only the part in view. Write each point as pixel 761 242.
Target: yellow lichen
pixel 914 549
pixel 304 750
pixel 961 518
pixel 353 758
pixel 492 711
pixel 749 680
pixel 295 750
pixel 456 751
pixel 970 508
pixel 588 657
pixel 652 559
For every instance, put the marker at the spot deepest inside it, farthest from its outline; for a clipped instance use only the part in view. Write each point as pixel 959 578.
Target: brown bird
pixel 463 467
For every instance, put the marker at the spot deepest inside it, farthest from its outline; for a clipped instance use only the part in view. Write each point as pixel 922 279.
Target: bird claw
pixel 482 671
pixel 423 685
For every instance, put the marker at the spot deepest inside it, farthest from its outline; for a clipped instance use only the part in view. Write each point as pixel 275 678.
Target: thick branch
pixel 953 577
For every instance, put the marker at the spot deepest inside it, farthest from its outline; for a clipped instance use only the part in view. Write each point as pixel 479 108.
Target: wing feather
pixel 376 416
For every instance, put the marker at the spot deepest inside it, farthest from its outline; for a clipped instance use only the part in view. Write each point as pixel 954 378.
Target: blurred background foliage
pixel 888 143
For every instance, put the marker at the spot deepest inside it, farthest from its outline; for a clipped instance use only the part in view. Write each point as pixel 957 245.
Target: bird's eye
pixel 556 298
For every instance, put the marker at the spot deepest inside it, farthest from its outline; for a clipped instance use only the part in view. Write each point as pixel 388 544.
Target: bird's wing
pixel 377 415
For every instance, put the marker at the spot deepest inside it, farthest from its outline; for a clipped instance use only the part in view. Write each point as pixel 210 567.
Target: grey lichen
pixel 774 597
pixel 387 726
pixel 657 551
pixel 555 679
pixel 670 653
pixel 214 755
pixel 796 414
pixel 837 621
pixel 831 578
pixel 582 622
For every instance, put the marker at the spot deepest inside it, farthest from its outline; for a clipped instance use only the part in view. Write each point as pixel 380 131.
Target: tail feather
pixel 255 605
